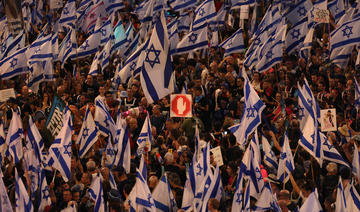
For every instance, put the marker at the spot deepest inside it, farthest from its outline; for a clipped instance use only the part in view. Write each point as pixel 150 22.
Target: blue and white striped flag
pixel 5 204
pixel 337 9
pixel 234 44
pixel 296 36
pixel 345 35
pixel 132 45
pixel 109 154
pixel 43 52
pixel 88 134
pixel 44 194
pixel 112 181
pixel 267 200
pixel 329 152
pixel 106 31
pixel 193 41
pixel 103 120
pixel 14 65
pixel 12 45
pixel 185 21
pixel 237 204
pixel 219 21
pixel 96 193
pixel 67 48
pixel 141 196
pixel 340 204
pixel 91 44
pixel 68 14
pixel 299 11
pixel 269 157
pixel 14 137
pixel 60 150
pixel 157 76
pixel 251 118
pixel 113 5
pixel 105 54
pixel 236 4
pixel 94 65
pixel 163 197
pixel 204 14
pixel 341 56
pixel 352 197
pixel 23 201
pixel 312 203
pixel 357 95
pixel 356 162
pixel 188 195
pixel 144 140
pixel 286 161
pixel 122 141
pixel 173 34
pixel 3 145
pixel 120 38
pixel 179 5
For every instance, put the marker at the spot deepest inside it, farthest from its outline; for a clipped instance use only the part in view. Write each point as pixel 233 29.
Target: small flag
pixel 97 194
pixel 68 14
pixel 88 134
pixel 234 44
pixel 193 41
pixel 286 161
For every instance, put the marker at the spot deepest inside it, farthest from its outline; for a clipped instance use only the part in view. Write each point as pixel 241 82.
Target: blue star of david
pixel 301 11
pixel 347 31
pixel 85 132
pixel 326 143
pixel 250 112
pixel 260 175
pixel 310 102
pixel 149 200
pixel 103 32
pixel 66 11
pixel 13 62
pixel 3 48
pixel 155 56
pixel 283 155
pixel 84 46
pixel 132 66
pixel 193 38
pixel 295 34
pixel 200 170
pixel 301 113
pixel 201 12
pixel 272 154
pixel 336 9
pixel 106 121
pixel 313 137
pixel 269 55
pixel 37 50
pixel 46 192
pixel 110 152
pixel 66 149
pixel 239 199
pixel 68 44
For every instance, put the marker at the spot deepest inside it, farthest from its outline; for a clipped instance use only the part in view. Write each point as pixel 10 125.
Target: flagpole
pixel 284 182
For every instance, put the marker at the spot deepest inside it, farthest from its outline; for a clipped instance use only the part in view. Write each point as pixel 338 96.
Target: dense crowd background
pixel 217 91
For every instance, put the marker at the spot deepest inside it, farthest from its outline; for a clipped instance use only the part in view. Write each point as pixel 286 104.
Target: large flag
pixel 106 31
pixel 193 41
pixel 122 141
pixel 44 51
pixel 234 44
pixel 236 4
pixel 299 11
pixel 237 204
pixel 269 157
pixel 88 134
pixel 345 35
pixel 109 154
pixel 157 76
pixel 251 118
pixel 144 140
pixel 11 45
pixel 163 197
pixel 286 161
pixel 23 201
pixel 68 14
pixel 94 65
pixel 296 36
pixel 352 197
pixel 91 44
pixel 105 54
pixel 14 137
pixel 60 150
pixel 340 204
pixel 67 48
pixel 179 5
pixel 329 152
pixel 97 194
pixel 337 9
pixel 357 95
pixel 341 56
pixel 103 120
pixel 311 203
pixel 13 65
pixel 173 34
pixel 44 192
pixel 204 13
pixel 5 204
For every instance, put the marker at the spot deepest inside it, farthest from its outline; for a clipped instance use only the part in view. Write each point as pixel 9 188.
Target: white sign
pixel 217 156
pixel 244 12
pixel 328 120
pixel 320 15
pixel 180 105
pixel 6 94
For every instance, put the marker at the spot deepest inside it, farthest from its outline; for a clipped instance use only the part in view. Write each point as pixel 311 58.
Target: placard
pixel 217 155
pixel 328 120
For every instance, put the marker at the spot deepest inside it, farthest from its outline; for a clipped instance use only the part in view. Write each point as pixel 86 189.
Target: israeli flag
pixel 312 203
pixel 269 157
pixel 299 11
pixel 346 35
pixel 60 150
pixel 270 22
pixel 234 44
pixel 341 56
pixel 67 48
pixel 163 197
pixel 340 204
pixel 337 9
pixel 45 199
pixel 157 77
pixel 88 134
pixel 5 204
pixel 132 45
pixel 236 4
pixel 296 36
pixel 188 195
pixel 251 118
pixel 105 54
pixel 356 162
pixel 329 152
pixel 109 154
pixel 3 145
pixel 352 197
pixel 246 197
pixel 14 65
pixel 144 140
pixel 179 5
pixel 237 204
pixel 185 21
pixel 23 201
pixel 267 200
pixel 142 195
pixel 103 120
pixel 11 45
pixel 106 32
pixel 94 65
pixel 68 14
pixel 204 14
pixel 43 52
pixel 286 161
pixel 122 141
pixel 193 41
pixel 357 95
pixel 14 137
pixel 219 21
pixel 112 181
pixel 96 193
pixel 120 37
pixel 173 34
pixel 113 5
pixel 91 44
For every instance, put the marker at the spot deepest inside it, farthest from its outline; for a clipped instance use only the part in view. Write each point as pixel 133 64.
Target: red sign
pixel 180 105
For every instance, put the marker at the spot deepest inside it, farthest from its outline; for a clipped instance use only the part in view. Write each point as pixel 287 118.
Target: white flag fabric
pixel 311 203
pixel 23 201
pixel 356 162
pixel 97 194
pixel 5 204
pixel 68 14
pixel 204 14
pixel 14 137
pixel 163 196
pixel 14 65
pixel 286 161
pixel 103 120
pixel 88 134
pixel 234 44
pixel 91 44
pixel 340 204
pixel 122 141
pixel 45 199
pixel 193 41
pixel 145 137
pixel 269 156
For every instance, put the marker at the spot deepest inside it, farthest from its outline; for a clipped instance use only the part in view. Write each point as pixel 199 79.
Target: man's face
pixel 76 196
pixel 66 195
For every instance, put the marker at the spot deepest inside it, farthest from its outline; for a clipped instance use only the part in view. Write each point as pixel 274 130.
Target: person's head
pixel 90 80
pixel 213 205
pixel 102 91
pixel 86 178
pixel 75 196
pixel 67 195
pixel 133 124
pixel 153 181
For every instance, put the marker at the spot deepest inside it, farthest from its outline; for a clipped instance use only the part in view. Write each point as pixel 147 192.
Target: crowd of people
pixel 217 89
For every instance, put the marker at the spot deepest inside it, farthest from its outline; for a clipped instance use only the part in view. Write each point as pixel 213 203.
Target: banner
pixel 14 16
pixel 54 122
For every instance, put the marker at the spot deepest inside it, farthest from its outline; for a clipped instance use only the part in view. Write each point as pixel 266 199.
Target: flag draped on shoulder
pixel 88 134
pixel 156 74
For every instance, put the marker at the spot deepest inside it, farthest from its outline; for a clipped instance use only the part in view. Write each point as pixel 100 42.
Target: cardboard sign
pixel 320 15
pixel 328 120
pixel 6 94
pixel 217 155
